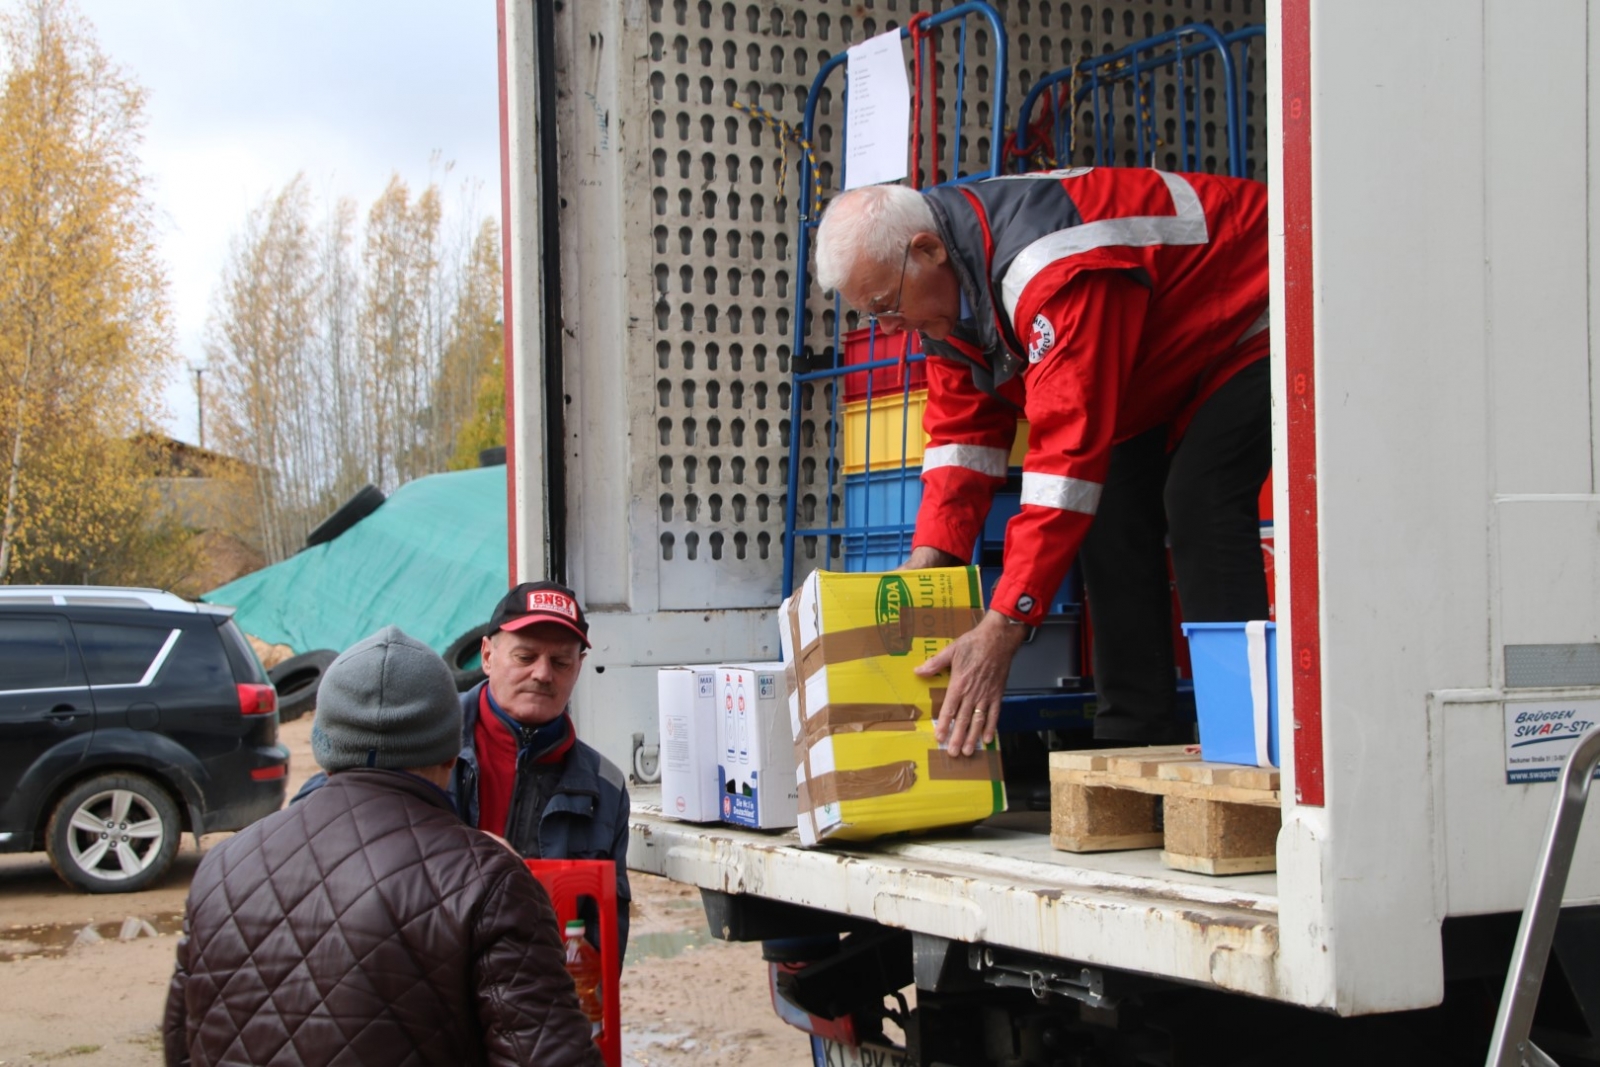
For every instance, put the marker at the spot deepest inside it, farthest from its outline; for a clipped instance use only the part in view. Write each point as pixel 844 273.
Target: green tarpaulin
pixel 431 560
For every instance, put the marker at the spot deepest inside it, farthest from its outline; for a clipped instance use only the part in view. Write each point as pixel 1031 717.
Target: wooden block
pixel 1228 774
pixel 1100 759
pixel 1222 837
pixel 1169 787
pixel 1092 819
pixel 1148 764
pixel 1204 865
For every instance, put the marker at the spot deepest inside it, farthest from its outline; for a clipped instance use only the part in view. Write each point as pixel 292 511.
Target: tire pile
pixel 297 680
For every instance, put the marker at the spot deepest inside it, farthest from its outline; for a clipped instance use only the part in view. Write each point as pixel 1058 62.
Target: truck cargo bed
pixel 999 883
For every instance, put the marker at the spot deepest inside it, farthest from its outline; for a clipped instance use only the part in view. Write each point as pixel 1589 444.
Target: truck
pixel 1432 172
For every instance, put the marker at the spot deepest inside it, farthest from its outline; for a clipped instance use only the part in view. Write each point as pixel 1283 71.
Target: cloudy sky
pixel 243 96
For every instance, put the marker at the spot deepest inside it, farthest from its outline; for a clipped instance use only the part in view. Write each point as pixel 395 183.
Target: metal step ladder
pixel 1510 1045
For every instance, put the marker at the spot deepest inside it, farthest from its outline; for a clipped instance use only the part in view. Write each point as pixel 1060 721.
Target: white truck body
pixel 1435 169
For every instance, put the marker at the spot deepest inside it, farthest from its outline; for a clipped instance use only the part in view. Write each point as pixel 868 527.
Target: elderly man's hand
pixel 978 661
pixel 922 557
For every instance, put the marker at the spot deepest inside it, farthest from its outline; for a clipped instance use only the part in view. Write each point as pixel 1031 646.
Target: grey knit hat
pixel 387 701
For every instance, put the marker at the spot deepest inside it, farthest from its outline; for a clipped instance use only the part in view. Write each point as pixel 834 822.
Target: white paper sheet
pixel 878 120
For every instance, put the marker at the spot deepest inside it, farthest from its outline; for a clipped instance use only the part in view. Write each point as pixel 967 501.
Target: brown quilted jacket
pixel 367 925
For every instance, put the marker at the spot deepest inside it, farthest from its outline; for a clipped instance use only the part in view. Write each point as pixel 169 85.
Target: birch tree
pixel 336 367
pixel 261 345
pixel 471 389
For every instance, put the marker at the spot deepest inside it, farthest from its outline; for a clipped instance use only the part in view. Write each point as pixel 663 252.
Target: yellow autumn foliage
pixel 85 338
pixel 472 382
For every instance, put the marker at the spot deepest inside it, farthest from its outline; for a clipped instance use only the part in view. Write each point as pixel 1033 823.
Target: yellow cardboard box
pixel 865 754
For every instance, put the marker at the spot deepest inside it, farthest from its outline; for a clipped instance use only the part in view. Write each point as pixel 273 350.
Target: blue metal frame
pixel 1098 78
pixel 807 223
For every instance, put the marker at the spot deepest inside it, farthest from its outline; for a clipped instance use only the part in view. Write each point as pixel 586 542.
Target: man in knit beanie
pixel 366 923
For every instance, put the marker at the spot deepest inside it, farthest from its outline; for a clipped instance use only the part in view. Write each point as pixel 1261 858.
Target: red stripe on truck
pixel 1299 345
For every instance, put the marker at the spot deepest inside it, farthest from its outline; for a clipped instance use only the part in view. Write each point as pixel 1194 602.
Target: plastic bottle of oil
pixel 583 963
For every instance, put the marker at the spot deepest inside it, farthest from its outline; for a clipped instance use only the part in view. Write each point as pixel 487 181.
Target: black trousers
pixel 1202 497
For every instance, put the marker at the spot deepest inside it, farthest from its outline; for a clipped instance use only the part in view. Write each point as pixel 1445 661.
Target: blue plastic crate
pixel 1001 511
pixel 883 499
pixel 876 551
pixel 1223 693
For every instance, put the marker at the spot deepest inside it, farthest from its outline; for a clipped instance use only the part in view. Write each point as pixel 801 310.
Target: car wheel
pixel 297 680
pixel 114 833
pixel 462 657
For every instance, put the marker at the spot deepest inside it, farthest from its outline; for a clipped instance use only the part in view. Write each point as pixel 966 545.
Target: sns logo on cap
pixel 544 600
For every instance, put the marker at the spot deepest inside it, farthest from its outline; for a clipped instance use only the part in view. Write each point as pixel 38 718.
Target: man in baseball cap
pixel 364 923
pixel 524 774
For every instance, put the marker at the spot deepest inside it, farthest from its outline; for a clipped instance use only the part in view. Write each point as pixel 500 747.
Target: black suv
pixel 128 716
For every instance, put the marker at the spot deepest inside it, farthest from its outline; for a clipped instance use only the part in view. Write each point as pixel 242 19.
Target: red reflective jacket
pixel 1105 303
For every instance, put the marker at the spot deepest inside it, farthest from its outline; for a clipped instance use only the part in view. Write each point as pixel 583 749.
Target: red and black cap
pixel 532 603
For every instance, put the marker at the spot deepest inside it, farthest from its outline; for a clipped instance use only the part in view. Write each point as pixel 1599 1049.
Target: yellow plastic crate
pixel 891 439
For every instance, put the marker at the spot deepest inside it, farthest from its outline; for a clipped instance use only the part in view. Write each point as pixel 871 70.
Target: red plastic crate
pixel 868 346
pixel 567 882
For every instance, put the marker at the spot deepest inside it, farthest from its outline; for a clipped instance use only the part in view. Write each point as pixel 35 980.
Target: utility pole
pixel 199 400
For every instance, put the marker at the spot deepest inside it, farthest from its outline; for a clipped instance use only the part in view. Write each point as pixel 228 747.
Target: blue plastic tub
pixel 1223 694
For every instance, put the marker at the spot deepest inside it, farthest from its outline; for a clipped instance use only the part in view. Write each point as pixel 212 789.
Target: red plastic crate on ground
pixel 568 882
pixel 869 346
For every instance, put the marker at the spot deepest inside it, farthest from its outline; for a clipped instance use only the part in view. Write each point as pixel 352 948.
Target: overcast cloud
pixel 243 96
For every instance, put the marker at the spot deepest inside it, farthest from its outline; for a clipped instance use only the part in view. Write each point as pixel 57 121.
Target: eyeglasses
pixel 874 317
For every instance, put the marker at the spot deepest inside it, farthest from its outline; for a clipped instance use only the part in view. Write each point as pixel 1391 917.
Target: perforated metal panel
pixel 723 234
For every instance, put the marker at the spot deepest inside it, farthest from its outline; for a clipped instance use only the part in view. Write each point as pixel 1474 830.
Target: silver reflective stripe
pixel 990 461
pixel 1187 227
pixel 1263 321
pixel 1063 494
pixel 1053 175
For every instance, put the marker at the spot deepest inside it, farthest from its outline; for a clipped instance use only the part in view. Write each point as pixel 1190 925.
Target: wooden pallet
pixel 1211 818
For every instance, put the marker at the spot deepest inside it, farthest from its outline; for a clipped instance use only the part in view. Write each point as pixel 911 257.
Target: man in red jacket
pixel 1124 314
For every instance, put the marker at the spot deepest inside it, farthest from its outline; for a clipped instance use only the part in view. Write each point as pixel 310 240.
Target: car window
pixel 37 654
pixel 116 654
pixel 241 657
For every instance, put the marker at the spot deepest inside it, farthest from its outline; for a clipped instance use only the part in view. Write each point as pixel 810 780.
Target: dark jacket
pixel 584 818
pixel 366 925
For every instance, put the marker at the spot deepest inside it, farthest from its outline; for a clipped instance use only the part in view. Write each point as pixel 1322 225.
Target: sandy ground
pixel 83 978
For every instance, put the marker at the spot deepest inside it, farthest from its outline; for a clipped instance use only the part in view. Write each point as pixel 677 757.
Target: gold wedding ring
pixel 977 713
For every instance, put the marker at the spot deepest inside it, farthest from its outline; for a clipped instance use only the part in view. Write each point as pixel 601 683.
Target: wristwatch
pixel 1028 629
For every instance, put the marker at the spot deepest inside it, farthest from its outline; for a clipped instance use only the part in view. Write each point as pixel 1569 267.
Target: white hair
pixel 872 224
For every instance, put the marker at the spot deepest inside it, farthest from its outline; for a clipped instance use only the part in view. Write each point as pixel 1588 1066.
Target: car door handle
pixel 62 714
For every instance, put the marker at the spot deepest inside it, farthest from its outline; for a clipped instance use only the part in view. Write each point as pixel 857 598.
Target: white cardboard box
pixel 755 747
pixel 687 710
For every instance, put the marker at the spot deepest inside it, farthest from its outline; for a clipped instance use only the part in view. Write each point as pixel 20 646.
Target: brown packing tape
pixel 791 674
pixel 838 786
pixel 982 766
pixel 854 718
pixel 819 728
pixel 792 677
pixel 851 714
pixel 865 642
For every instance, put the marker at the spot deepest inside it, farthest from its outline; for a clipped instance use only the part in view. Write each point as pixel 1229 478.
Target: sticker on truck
pixel 1539 736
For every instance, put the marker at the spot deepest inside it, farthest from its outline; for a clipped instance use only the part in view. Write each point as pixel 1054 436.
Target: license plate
pixel 837 1055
